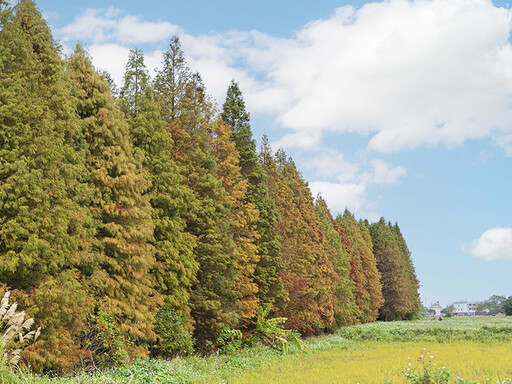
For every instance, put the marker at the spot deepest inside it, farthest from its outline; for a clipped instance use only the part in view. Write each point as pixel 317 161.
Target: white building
pixel 465 308
pixel 437 308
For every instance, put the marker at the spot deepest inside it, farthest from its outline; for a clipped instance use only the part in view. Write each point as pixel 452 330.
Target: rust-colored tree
pixel 339 253
pixel 244 228
pixel 308 275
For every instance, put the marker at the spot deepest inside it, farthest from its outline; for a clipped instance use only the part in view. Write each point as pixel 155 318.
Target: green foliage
pixel 427 373
pixel 244 218
pixel 189 118
pixel 346 310
pixel 399 287
pixel 507 306
pixel 271 332
pixel 174 339
pixel 413 282
pixel 45 225
pixel 175 267
pixel 120 277
pixel 448 311
pixel 492 306
pixel 229 340
pixel 269 266
pixel 102 342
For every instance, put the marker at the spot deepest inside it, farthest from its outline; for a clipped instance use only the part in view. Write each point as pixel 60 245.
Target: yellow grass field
pixel 382 362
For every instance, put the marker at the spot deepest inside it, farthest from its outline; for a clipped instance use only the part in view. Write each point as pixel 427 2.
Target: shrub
pixel 174 339
pixel 270 331
pixel 102 343
pixel 229 340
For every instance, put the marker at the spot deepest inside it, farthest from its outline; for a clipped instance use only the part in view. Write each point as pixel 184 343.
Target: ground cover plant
pixel 478 351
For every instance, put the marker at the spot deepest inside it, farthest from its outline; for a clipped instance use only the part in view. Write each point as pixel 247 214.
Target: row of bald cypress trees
pixel 142 220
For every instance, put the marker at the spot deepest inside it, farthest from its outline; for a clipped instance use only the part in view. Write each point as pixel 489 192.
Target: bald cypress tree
pixel 120 206
pixel 371 287
pixel 393 269
pixel 347 224
pixel 308 275
pixel 176 267
pixel 373 276
pixel 269 267
pixel 188 116
pixel 346 311
pixel 45 230
pixel 244 217
pixel 413 294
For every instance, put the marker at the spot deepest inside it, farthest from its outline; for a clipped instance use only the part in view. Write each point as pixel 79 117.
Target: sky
pixel 400 109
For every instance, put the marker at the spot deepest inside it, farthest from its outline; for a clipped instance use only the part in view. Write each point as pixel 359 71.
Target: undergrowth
pixel 355 340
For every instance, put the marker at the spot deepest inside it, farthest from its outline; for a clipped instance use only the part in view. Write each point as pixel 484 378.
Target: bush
pixel 229 340
pixel 102 343
pixel 270 332
pixel 174 339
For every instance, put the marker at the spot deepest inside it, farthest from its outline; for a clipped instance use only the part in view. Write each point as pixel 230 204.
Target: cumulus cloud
pixel 111 25
pixel 352 179
pixel 409 73
pixel 340 196
pixel 494 244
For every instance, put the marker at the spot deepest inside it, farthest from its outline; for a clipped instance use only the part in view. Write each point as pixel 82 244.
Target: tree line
pixel 142 220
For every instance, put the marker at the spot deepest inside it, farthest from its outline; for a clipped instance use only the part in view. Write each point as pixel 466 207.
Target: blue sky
pixel 399 109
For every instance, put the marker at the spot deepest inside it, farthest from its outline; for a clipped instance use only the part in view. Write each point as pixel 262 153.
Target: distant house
pixel 437 308
pixel 465 308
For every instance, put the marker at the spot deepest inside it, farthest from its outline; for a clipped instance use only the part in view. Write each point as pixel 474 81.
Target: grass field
pixel 473 349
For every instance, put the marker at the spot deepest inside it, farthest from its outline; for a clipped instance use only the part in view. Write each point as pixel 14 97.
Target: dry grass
pixel 14 331
pixel 386 362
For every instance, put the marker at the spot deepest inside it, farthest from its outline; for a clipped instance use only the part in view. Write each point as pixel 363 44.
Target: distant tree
pixel 448 311
pixel 492 306
pixel 507 306
pixel 370 270
pixel 396 284
pixel 414 283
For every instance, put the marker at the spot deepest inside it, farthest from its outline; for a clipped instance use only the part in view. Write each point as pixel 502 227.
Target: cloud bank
pixel 494 244
pixel 410 73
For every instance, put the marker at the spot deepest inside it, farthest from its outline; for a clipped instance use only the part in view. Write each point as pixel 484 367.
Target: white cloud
pixel 382 173
pixel 333 165
pixel 352 180
pixel 409 73
pixel 340 196
pixel 111 58
pixel 415 73
pixel 103 26
pixel 494 244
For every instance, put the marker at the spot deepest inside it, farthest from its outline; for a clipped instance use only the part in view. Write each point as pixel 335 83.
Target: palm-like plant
pixel 271 332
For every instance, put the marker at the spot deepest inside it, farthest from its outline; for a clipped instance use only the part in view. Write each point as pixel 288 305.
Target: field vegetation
pixel 456 350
